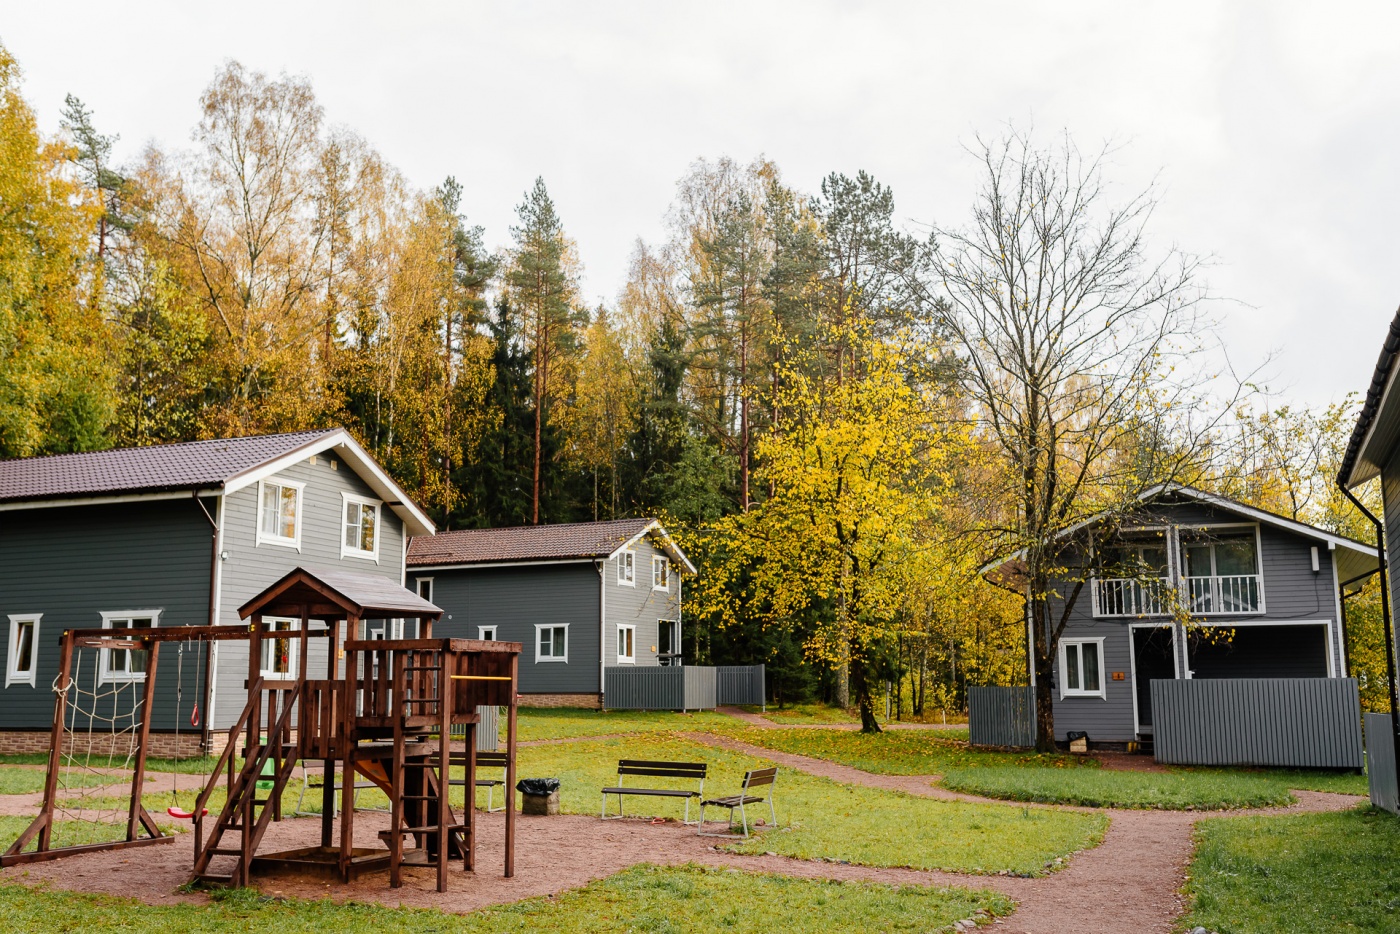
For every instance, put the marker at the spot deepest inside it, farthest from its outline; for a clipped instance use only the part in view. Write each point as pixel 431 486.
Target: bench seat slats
pixel 732 801
pixel 662 792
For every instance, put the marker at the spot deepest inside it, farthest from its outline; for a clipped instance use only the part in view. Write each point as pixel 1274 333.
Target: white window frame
pixel 1224 526
pixel 481 634
pixel 429 595
pixel 630 632
pixel 293 638
pixel 109 617
pixel 17 623
pixel 267 538
pixel 1065 689
pixel 627 568
pixel 664 564
pixel 348 551
pixel 539 628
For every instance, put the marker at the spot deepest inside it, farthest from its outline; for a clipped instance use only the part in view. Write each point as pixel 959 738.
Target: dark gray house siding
pixel 516 599
pixel 250 566
pixel 73 563
pixel 1293 596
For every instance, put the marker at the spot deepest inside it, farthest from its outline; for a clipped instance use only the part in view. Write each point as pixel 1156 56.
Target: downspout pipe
pixel 1385 620
pixel 214 548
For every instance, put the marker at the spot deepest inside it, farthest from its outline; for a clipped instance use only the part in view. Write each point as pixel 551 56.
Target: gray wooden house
pixel 175 535
pixel 1373 453
pixel 579 596
pixel 1198 587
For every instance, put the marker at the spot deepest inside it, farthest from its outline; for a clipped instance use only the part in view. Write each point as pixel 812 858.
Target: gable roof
pixel 223 465
pixel 567 541
pixel 365 595
pixel 1353 558
pixel 1377 428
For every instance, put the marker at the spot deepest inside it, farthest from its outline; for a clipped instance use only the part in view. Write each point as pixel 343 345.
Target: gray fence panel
pixel 1001 716
pixel 488 730
pixel 1286 722
pixel 628 688
pixel 701 687
pixel 1380 762
pixel 741 684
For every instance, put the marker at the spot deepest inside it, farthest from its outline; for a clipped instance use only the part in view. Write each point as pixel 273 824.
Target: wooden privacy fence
pixel 681 687
pixel 1001 716
pixel 1286 722
pixel 1380 762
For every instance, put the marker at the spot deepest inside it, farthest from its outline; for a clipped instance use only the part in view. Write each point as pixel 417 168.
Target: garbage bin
pixel 539 795
pixel 1078 741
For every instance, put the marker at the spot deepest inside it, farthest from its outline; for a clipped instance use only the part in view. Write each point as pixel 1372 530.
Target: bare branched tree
pixel 1077 348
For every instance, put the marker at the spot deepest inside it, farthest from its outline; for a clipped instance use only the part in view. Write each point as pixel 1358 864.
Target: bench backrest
pixel 760 777
pixel 491 760
pixel 661 769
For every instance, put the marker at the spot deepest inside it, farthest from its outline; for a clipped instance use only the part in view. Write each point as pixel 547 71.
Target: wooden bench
pixel 758 778
pixel 485 760
pixel 648 769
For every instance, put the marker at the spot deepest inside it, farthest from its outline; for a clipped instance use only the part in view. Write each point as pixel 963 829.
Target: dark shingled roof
pixel 1390 350
pixel 524 543
pixel 192 465
pixel 370 593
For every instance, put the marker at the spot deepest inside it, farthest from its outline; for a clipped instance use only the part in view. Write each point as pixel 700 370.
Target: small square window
pixel 627 568
pixel 22 660
pixel 127 664
pixel 627 644
pixel 486 633
pixel 551 643
pixel 660 572
pixel 279 513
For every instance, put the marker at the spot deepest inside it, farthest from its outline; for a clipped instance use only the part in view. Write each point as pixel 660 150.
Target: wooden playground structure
pixel 400 713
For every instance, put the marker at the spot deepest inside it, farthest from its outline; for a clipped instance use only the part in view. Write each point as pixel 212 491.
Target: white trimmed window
pixel 359 527
pixel 22 660
pixel 280 655
pixel 660 572
pixel 627 644
pixel 551 643
pixel 127 664
pixel 486 633
pixel 279 513
pixel 1081 668
pixel 425 588
pixel 627 568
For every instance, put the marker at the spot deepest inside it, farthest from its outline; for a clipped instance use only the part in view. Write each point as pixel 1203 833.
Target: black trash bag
pixel 537 786
pixel 1072 735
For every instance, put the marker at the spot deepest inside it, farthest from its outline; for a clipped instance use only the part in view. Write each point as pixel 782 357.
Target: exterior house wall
pixel 1390 503
pixel 72 563
pixel 251 567
pixel 1292 593
pixel 514 599
pixel 640 605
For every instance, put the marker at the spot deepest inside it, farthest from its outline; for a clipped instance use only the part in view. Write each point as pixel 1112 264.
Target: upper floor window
pixel 22 659
pixel 360 526
pixel 660 572
pixel 425 588
pixel 627 568
pixel 127 664
pixel 279 513
pixel 1221 572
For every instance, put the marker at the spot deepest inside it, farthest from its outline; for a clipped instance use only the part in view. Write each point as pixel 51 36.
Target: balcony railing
pixel 1232 593
pixel 1130 597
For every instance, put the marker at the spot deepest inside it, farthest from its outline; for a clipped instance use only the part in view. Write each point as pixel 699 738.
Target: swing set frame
pixel 141 827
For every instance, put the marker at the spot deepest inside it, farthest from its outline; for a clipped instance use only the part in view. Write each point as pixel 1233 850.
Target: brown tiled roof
pixel 524 543
pixel 166 467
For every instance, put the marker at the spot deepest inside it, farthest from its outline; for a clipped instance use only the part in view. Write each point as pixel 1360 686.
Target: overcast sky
pixel 1272 127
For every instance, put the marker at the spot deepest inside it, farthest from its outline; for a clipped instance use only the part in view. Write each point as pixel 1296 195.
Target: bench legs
pixel 743 817
pixel 604 814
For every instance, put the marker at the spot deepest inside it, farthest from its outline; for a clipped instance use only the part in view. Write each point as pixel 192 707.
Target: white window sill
pixel 626 661
pixel 1072 695
pixel 19 680
pixel 280 542
pixel 551 658
pixel 366 555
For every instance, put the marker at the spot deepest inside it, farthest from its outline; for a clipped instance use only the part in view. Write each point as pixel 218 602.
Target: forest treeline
pixel 783 379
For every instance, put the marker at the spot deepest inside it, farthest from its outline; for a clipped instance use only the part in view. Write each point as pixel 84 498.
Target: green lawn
pixel 643 898
pixel 154 764
pixel 822 818
pixel 534 723
pixel 1303 872
pixel 794 714
pixel 27 781
pixel 71 832
pixel 1176 790
pixel 899 752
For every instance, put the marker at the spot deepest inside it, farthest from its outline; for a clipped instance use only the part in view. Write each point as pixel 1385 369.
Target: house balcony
pixel 1233 593
pixel 1130 596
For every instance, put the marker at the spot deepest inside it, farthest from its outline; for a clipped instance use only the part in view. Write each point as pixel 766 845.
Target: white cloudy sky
pixel 1271 126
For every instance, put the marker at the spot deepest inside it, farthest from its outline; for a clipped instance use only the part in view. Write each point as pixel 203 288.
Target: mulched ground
pixel 1130 882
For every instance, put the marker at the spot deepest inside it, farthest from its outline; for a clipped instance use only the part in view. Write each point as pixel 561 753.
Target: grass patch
pixel 900 752
pixel 534 723
pixel 68 833
pixel 1303 872
pixel 794 714
pixel 1172 791
pixel 200 765
pixel 643 898
pixel 821 818
pixel 25 781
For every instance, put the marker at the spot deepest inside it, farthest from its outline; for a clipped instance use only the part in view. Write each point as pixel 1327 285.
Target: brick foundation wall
pixel 588 701
pixel 162 745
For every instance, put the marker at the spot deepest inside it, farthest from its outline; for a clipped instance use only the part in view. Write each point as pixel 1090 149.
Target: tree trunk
pixel 1044 696
pixel 860 687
